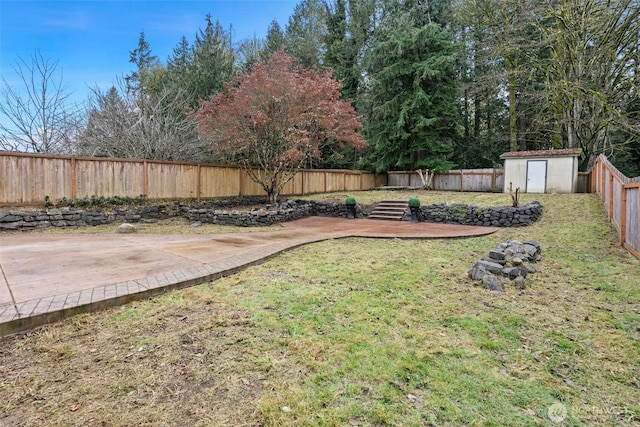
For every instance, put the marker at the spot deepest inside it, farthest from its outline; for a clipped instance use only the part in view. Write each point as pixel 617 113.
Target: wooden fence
pixel 454 180
pixel 621 198
pixel 26 179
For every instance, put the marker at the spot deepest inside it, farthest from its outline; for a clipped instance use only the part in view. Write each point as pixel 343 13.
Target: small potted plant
pixel 414 206
pixel 351 207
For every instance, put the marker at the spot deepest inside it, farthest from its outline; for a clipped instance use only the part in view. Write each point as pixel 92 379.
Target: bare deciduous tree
pixel 118 127
pixel 36 117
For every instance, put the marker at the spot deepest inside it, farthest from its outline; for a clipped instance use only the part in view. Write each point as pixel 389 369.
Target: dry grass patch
pixel 363 332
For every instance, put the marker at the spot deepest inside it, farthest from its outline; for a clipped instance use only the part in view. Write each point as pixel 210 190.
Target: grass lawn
pixel 357 332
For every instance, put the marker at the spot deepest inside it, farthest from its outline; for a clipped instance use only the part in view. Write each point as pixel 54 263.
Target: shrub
pixel 350 201
pixel 414 202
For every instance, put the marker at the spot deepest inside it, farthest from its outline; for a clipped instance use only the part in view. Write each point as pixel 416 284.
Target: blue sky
pixel 91 39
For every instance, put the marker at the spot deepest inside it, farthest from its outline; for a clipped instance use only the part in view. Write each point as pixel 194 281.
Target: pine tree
pixel 411 91
pixel 306 31
pixel 349 28
pixel 147 78
pixel 274 40
pixel 180 60
pixel 213 61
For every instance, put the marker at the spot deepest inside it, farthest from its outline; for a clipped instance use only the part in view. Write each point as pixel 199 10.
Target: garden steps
pixel 392 210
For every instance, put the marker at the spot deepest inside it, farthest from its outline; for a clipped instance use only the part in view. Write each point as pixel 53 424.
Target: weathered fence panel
pixel 27 178
pixel 314 182
pixel 448 181
pixel 620 196
pixel 22 181
pixel 584 182
pixel 335 181
pixel 221 181
pixel 172 180
pixel 106 177
pixel 352 181
pixel 453 180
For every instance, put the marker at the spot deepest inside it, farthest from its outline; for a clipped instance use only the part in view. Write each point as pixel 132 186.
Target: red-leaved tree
pixel 275 118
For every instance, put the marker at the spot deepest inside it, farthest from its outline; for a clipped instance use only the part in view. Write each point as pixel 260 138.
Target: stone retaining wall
pixel 505 216
pixel 289 210
pixel 223 213
pixel 73 217
pixel 212 212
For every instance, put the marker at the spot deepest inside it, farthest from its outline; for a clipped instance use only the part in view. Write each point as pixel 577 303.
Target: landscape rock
pixel 126 228
pixel 476 273
pixel 491 282
pixel 508 264
pixel 519 282
pixel 491 267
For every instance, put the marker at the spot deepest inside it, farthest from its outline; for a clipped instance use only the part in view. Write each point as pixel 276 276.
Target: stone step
pixel 389 210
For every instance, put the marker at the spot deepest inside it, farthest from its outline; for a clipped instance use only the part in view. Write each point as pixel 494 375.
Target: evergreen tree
pixel 147 78
pixel 213 62
pixel 248 52
pixel 306 32
pixel 274 41
pixel 179 62
pixel 350 25
pixel 412 91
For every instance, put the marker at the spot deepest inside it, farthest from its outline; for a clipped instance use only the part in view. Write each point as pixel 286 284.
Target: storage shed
pixel 546 171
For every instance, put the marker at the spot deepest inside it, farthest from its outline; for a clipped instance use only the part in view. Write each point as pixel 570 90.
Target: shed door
pixel 536 176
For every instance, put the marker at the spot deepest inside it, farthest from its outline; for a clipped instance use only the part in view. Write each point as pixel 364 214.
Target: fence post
pixel 145 177
pixel 610 207
pixel 74 189
pixel 494 178
pixel 325 181
pixel 198 181
pixel 604 175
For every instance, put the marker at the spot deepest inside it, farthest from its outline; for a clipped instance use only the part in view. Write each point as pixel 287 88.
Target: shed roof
pixel 562 152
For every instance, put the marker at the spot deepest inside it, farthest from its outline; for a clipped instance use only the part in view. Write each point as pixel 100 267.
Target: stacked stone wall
pixel 230 212
pixel 505 216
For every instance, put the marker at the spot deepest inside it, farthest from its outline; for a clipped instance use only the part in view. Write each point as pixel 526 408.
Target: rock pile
pixel 508 264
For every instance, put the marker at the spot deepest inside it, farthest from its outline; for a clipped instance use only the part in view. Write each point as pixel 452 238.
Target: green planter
pixel 414 206
pixel 351 207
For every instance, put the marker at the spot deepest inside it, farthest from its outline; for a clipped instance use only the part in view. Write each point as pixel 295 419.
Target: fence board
pixel 33 180
pixel 617 203
pixel 108 178
pixel 351 181
pixel 621 199
pixel 335 181
pixel 584 180
pixel 314 182
pixel 219 181
pixel 26 178
pixel 453 180
pixel 633 218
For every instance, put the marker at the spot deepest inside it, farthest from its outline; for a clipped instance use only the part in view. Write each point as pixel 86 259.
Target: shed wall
pixel 562 173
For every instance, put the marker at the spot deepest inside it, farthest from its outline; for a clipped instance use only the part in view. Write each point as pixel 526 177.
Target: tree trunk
pixel 513 123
